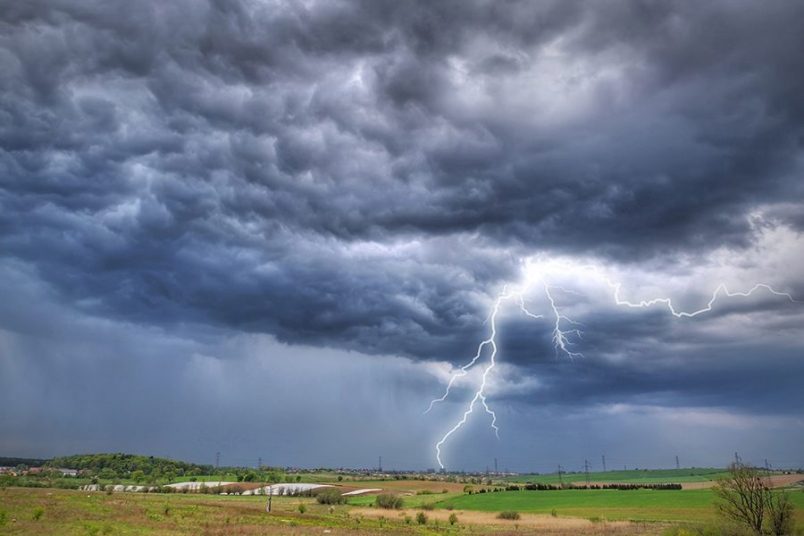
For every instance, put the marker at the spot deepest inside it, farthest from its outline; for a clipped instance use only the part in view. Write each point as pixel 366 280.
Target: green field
pixel 642 505
pixel 413 501
pixel 637 476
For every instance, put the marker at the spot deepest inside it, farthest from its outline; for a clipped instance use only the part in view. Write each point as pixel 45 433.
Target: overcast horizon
pixel 276 228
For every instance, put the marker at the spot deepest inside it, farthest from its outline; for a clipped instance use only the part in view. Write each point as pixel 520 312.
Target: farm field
pixel 643 505
pixel 636 476
pixel 26 511
pixel 29 511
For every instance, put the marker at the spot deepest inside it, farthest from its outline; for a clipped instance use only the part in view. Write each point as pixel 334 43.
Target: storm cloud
pixel 364 177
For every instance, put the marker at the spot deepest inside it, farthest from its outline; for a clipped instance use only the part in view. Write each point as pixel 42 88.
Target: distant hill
pixel 123 465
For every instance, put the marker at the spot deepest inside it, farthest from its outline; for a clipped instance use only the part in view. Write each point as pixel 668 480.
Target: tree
pixel 780 514
pixel 746 499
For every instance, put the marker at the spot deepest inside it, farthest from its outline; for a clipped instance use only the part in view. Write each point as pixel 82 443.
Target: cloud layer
pixel 365 176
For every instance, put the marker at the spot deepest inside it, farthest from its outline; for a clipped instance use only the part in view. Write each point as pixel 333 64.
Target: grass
pixel 410 501
pixel 637 476
pixel 638 505
pixel 72 513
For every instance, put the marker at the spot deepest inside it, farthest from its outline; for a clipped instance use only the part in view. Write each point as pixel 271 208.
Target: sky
pixel 275 229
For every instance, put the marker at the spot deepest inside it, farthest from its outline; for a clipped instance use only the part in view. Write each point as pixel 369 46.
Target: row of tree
pixel 118 465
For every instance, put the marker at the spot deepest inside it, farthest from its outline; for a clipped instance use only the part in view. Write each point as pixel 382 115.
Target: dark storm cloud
pixel 363 174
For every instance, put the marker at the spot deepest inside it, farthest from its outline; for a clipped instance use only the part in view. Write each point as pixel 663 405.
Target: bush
pixel 38 513
pixel 302 508
pixel 428 506
pixel 3 518
pixel 330 496
pixel 508 515
pixel 421 518
pixel 453 519
pixel 388 500
pixel 745 499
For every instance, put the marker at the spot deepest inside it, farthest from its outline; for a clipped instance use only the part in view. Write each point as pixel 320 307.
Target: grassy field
pixel 641 476
pixel 30 511
pixel 25 511
pixel 413 501
pixel 643 505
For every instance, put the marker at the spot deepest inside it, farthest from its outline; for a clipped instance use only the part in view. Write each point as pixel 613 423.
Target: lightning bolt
pixel 565 331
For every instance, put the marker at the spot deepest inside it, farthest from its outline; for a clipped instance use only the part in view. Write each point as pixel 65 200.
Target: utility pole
pixel 560 481
pixel 259 463
pixel 495 467
pixel 678 466
pixel 380 465
pixel 586 470
pixel 217 459
pixel 736 458
pixel 603 457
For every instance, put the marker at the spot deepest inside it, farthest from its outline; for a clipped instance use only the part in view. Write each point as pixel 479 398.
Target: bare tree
pixel 746 498
pixel 780 514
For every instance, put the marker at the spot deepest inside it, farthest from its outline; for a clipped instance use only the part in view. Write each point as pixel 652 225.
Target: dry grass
pixel 527 524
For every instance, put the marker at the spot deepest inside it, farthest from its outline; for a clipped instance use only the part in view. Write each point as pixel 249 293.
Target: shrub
pixel 428 506
pixel 38 513
pixel 330 496
pixel 553 512
pixel 453 519
pixel 745 499
pixel 3 518
pixel 780 514
pixel 302 508
pixel 508 515
pixel 388 500
pixel 421 518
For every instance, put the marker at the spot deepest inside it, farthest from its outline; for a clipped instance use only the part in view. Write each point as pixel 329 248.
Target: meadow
pixel 641 505
pixel 35 511
pixel 635 476
pixel 49 510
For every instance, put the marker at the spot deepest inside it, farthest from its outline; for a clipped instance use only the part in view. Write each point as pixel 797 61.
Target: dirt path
pixel 545 523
